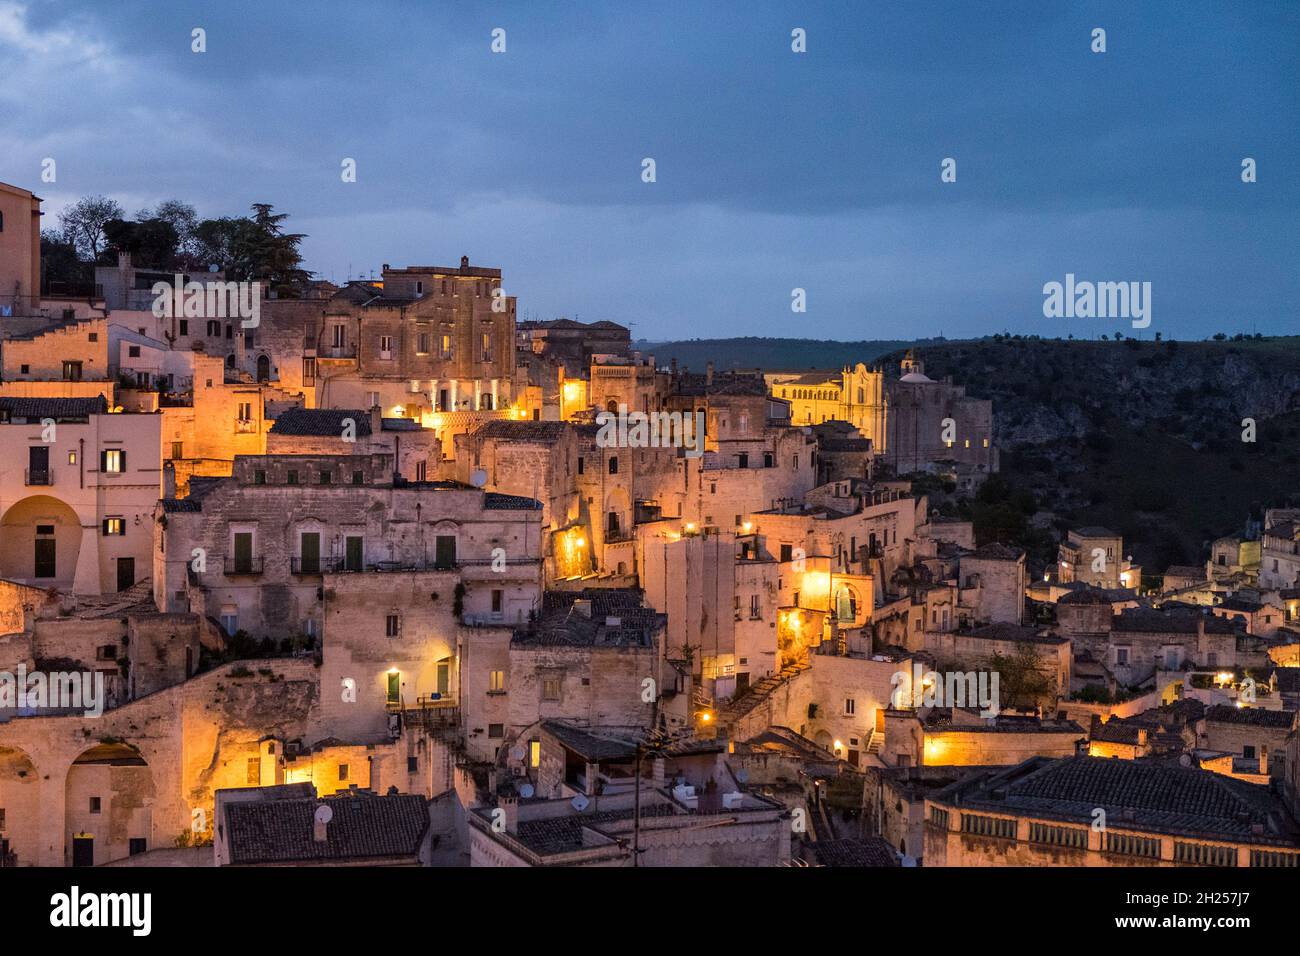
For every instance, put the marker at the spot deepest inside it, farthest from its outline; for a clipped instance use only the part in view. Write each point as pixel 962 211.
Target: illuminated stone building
pixel 935 423
pixel 1043 812
pixel 855 395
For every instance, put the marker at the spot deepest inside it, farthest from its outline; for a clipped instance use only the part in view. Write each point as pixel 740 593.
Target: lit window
pixel 551 688
pixel 113 461
pixel 496 681
pixel 114 526
pixel 534 753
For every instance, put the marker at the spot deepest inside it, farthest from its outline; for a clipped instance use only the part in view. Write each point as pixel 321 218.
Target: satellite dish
pixel 526 791
pixel 517 753
pixel 324 814
pixel 478 477
pixel 579 803
pixel 1185 760
pixel 742 775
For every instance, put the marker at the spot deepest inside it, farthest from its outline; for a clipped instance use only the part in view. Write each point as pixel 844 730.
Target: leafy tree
pixel 62 271
pixel 83 224
pixel 1024 680
pixel 255 248
pixel 151 242
pixel 182 218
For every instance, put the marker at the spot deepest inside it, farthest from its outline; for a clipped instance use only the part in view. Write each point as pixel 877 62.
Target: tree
pixel 1023 680
pixel 182 218
pixel 255 249
pixel 151 242
pixel 83 224
pixel 62 271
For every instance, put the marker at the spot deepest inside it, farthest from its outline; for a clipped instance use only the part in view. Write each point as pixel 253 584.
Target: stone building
pixel 1095 556
pixel 854 395
pixel 929 422
pixel 1042 812
pixel 1279 565
pixel 573 345
pixel 253 550
pixel 76 495
pixel 20 251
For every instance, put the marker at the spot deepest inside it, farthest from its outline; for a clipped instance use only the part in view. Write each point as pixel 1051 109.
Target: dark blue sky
pixel 775 170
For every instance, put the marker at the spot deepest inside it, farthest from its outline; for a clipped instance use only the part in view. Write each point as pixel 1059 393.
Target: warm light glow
pixel 747 527
pixel 571 390
pixel 816 585
pixel 839 745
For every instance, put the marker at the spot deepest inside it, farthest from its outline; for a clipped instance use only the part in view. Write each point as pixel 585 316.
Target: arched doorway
pixel 108 805
pixel 20 798
pixel 40 540
pixel 263 368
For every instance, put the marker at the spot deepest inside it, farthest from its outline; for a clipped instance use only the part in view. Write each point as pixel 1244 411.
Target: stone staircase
pixel 733 710
pixel 876 742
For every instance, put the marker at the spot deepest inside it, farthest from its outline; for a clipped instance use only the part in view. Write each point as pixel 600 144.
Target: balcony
pixel 248 566
pixel 312 565
pixel 483 618
pixel 245 426
pixel 38 477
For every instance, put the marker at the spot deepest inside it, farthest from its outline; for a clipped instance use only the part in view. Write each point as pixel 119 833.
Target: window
pixel 422 344
pixel 114 526
pixel 498 600
pixel 178 451
pixel 309 370
pixel 421 471
pixel 340 337
pixel 372 399
pixel 850 706
pixel 93 337
pixel 112 460
pixel 358 477
pixel 1071 837
pixel 324 478
pixel 230 622
pixel 988 826
pixel 550 688
pixel 253 771
pixel 385 346
pixel 446 341
pixel 133 351
pixel 72 371
pixel 1121 656
pixel 496 682
pixel 214 329
pixel 94 805
pixel 412 764
pixel 535 753
pixel 754 610
pixel 343 771
pixel 392 625
pixel 580 464
pixel 419 288
pixel 613 465
pixel 496 730
pixel 292 477
pixel 25 369
pixel 353 557
pixel 485 344
pixel 185 327
pixel 259 477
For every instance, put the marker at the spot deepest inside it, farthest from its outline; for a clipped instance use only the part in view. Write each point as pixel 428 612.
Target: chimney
pixel 377 423
pixel 1142 737
pixel 1263 761
pixel 708 373
pixel 464 262
pixel 511 807
pixel 169 480
pixel 320 827
pixel 386 267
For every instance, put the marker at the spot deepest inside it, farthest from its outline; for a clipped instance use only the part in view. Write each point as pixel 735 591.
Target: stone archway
pixel 20 802
pixel 109 798
pixel 40 534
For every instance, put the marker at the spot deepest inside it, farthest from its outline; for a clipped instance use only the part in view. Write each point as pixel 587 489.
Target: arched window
pixel 612 406
pixel 214 329
pixel 846 605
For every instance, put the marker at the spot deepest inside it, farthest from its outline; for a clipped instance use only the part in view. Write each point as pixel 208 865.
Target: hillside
pixel 771 354
pixel 1143 437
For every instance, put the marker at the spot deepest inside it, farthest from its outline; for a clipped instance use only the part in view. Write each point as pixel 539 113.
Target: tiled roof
pixel 1185 571
pixel 1254 716
pixel 1006 631
pixel 590 746
pixel 364 826
pixel 56 408
pixel 499 502
pixel 507 430
pixel 324 422
pixel 873 851
pixel 1095 596
pixel 1169 622
pixel 1095 531
pixel 996 551
pixel 562 624
pixel 1135 795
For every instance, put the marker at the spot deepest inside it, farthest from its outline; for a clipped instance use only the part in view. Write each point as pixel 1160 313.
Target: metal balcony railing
pixel 31 477
pixel 241 566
